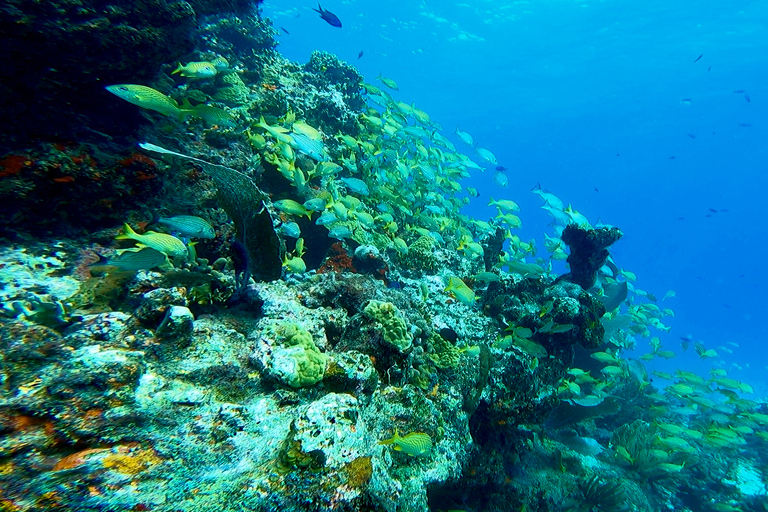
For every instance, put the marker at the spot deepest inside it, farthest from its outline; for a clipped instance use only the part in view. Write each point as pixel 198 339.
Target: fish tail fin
pixel 186 109
pixel 155 219
pixel 536 187
pixel 127 234
pixel 102 261
pixel 183 113
pixel 178 69
pixel 491 201
pixel 391 439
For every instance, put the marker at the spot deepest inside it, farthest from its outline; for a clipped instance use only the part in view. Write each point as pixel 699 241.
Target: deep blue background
pixel 580 96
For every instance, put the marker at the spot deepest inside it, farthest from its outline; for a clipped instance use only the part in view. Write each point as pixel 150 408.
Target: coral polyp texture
pixel 250 285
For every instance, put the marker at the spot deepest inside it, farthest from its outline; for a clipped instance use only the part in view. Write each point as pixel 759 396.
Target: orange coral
pixel 138 160
pixel 13 164
pixel 338 261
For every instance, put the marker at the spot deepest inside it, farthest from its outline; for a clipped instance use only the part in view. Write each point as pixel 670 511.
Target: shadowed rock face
pixel 59 55
pixel 589 252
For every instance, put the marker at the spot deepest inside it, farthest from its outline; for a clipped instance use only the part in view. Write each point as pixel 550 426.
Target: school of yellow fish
pixel 401 179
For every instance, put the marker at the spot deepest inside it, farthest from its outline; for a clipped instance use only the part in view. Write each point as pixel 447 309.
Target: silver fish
pixel 312 148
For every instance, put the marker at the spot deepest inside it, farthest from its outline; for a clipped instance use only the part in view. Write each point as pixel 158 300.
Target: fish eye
pixel 123 88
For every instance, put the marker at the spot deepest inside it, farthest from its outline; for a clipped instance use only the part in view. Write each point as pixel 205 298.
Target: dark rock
pixel 155 303
pixel 368 260
pixel 60 54
pixel 492 247
pixel 589 252
pixel 351 372
pixel 175 331
pixel 26 348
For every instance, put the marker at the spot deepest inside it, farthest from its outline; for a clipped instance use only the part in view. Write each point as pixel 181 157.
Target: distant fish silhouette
pixel 699 57
pixel 360 54
pixel 615 294
pixel 740 91
pixel 328 16
pixel 284 30
pixel 691 135
pixel 746 97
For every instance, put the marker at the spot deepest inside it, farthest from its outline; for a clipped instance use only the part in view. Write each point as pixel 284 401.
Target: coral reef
pixel 343 337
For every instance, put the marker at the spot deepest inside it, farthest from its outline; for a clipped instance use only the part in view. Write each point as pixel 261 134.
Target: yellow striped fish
pixel 415 444
pixel 147 97
pixel 167 244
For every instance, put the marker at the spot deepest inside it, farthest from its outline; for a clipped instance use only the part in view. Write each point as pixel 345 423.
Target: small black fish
pixel 284 30
pixel 699 57
pixel 672 157
pixel 449 334
pixel 745 125
pixel 712 210
pixel 242 266
pixel 746 97
pixel 691 135
pixel 394 285
pixel 709 68
pixel 740 91
pixel 328 16
pixel 360 54
pixel 596 190
pixel 501 168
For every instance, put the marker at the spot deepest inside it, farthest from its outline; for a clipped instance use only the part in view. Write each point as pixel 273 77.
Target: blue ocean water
pixel 649 116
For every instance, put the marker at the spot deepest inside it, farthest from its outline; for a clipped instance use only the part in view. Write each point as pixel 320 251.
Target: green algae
pixel 298 362
pixel 394 328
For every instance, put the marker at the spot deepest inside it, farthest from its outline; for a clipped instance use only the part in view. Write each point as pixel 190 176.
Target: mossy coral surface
pixel 394 328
